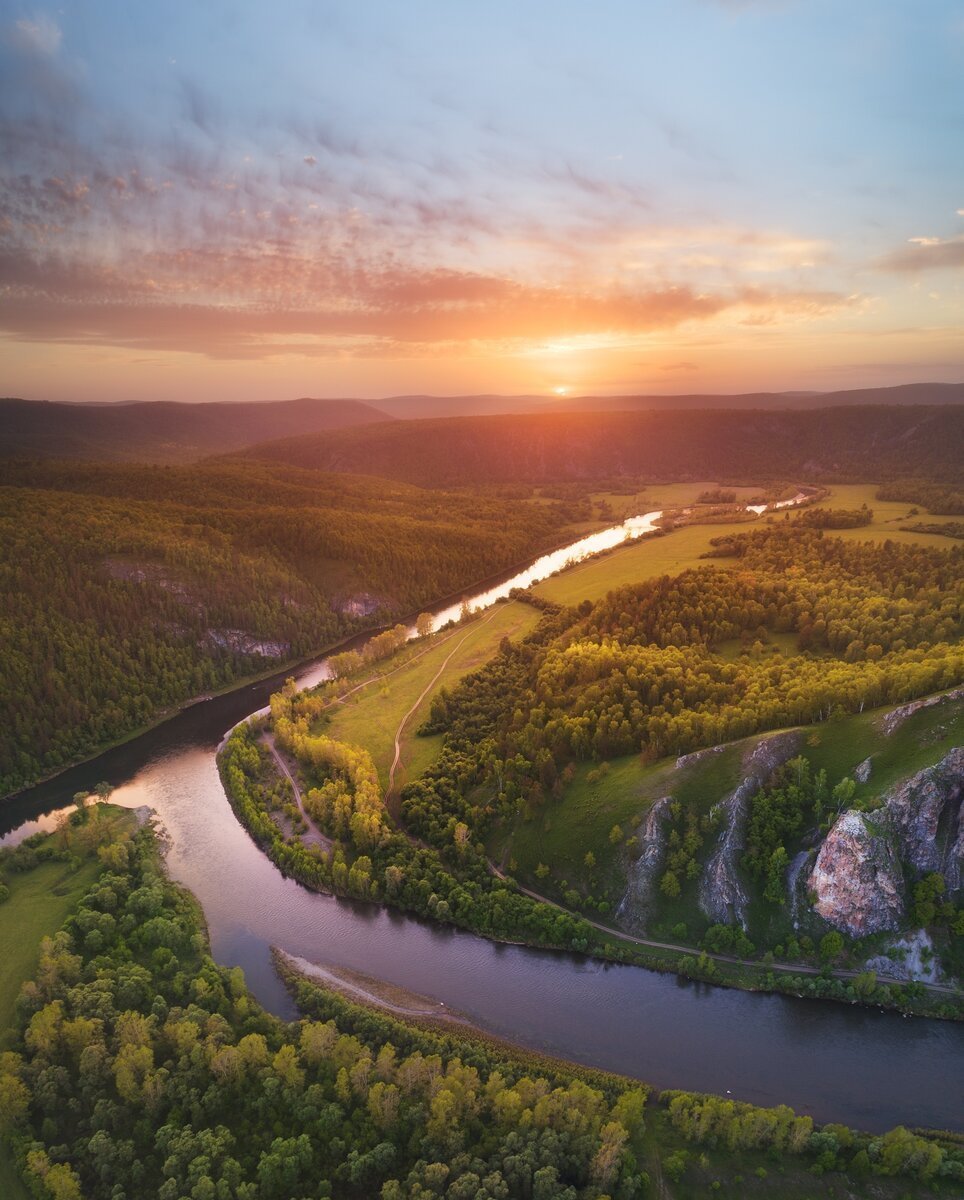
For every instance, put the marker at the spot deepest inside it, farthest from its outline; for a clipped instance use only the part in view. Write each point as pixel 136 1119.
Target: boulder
pixel 863 770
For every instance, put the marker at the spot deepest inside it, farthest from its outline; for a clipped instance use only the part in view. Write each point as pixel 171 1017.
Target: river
pixel 859 1066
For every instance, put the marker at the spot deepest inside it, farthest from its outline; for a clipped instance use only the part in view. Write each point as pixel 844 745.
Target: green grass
pixel 923 739
pixel 890 517
pixel 635 562
pixel 12 1186
pixel 40 901
pixel 371 717
pixel 680 550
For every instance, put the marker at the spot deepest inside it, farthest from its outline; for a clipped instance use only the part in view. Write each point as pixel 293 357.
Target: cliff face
pixel 641 883
pixel 924 812
pixel 721 894
pixel 858 877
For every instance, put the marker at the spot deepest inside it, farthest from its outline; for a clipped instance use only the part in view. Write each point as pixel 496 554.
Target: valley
pixel 425 786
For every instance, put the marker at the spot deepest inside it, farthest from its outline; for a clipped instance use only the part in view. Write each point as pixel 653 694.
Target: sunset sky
pixel 215 200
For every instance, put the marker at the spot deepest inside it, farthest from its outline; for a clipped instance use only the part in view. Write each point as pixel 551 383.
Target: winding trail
pixel 390 799
pixel 786 968
pixel 314 836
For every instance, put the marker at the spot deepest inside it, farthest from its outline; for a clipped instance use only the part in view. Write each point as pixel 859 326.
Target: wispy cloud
pixel 40 35
pixel 925 254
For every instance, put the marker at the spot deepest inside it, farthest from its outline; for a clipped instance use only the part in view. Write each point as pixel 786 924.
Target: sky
pixel 212 201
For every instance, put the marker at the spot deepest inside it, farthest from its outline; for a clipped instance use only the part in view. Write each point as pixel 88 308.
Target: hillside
pixel 424 407
pixel 125 590
pixel 856 442
pixel 164 431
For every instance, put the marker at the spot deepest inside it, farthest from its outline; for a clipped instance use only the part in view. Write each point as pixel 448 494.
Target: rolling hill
pixel 165 431
pixel 857 443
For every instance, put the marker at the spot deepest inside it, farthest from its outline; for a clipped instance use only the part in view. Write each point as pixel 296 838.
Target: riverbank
pixel 727 1160
pixel 280 670
pixel 803 981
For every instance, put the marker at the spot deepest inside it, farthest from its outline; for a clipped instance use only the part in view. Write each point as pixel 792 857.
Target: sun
pixel 561 391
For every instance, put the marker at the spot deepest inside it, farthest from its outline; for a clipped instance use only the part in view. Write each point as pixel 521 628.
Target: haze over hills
pixel 863 443
pixel 164 431
pixel 408 407
pixel 181 431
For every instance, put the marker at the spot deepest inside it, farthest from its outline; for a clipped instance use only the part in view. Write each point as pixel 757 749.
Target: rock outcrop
pixel 635 904
pixel 863 771
pixel 925 813
pixel 857 878
pixel 912 957
pixel 859 874
pixel 698 756
pixel 721 894
pixel 890 722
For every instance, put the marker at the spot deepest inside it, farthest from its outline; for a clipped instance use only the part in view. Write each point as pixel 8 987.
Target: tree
pixel 831 946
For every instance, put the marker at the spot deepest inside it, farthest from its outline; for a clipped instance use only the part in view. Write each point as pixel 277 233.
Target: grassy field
pixel 39 903
pixel 371 717
pixel 681 549
pixel 890 517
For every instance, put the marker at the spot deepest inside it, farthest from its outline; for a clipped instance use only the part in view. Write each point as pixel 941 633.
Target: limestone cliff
pixel 721 894
pixel 859 874
pixel 857 878
pixel 641 882
pixel 924 812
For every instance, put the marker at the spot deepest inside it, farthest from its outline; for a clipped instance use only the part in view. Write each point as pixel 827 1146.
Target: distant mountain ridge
pixel 421 407
pixel 179 431
pixel 857 442
pixel 164 431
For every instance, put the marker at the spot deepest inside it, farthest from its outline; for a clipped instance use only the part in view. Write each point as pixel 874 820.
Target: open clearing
pixel 680 550
pixel 371 716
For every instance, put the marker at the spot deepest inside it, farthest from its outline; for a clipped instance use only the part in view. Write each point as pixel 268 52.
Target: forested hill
pixel 855 443
pixel 126 590
pixel 423 407
pixel 164 431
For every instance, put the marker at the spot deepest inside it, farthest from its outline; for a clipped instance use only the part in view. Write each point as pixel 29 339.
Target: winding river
pixel 860 1066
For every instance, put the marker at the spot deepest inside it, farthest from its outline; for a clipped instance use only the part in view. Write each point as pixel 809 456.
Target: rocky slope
pixel 641 880
pixel 858 877
pixel 722 896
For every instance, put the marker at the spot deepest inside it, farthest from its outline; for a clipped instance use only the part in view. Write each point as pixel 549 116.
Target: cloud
pixel 925 254
pixel 258 306
pixel 41 36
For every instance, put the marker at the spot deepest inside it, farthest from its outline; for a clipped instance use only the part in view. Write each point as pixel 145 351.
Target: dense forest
pixel 141 1068
pixel 737 446
pixel 125 590
pixel 637 672
pixel 937 498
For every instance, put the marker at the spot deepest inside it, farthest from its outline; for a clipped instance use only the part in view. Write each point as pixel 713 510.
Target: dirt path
pixel 786 968
pixel 390 793
pixel 314 836
pixel 401 666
